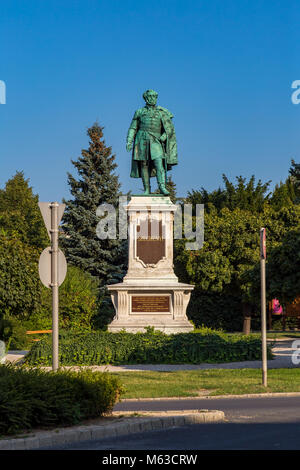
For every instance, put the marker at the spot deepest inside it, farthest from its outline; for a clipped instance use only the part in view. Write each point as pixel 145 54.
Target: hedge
pixel 95 348
pixel 32 398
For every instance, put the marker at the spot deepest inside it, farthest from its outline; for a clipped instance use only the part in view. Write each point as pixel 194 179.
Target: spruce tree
pixel 97 184
pixel 171 187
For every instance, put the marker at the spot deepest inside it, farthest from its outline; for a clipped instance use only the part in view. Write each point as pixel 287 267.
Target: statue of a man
pixel 151 137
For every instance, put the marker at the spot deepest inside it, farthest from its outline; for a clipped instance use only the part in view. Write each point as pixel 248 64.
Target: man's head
pixel 150 96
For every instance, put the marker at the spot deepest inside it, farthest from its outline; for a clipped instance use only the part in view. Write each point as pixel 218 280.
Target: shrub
pixel 13 333
pixel 78 298
pixel 147 348
pixel 77 303
pixel 35 398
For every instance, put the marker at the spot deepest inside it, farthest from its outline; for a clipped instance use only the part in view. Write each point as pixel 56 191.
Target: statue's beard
pixel 151 102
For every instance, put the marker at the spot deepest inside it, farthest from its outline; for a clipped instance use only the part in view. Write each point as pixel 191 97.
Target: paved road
pixel 223 436
pixel 261 409
pixel 251 423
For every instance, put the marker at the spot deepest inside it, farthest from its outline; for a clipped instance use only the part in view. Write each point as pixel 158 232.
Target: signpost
pixel 53 266
pixel 263 255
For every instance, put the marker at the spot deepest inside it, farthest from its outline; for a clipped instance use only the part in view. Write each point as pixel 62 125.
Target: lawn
pixel 207 382
pixel 283 334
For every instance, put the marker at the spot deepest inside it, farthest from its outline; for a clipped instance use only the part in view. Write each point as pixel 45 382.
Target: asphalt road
pixel 227 436
pixel 251 424
pixel 236 409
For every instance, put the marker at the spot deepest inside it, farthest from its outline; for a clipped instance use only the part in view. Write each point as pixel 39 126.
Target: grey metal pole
pixel 54 283
pixel 263 306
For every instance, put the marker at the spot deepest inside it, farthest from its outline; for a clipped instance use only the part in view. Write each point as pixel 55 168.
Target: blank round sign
pixel 45 267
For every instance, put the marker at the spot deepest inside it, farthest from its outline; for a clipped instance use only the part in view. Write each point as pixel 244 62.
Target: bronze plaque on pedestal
pixel 150 303
pixel 150 249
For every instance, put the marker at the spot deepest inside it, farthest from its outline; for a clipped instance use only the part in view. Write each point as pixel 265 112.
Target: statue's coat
pixel 169 145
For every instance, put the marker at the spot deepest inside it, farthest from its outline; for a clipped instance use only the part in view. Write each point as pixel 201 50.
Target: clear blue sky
pixel 224 68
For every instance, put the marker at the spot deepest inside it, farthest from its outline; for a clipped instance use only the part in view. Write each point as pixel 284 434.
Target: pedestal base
pixel 161 306
pixel 150 294
pixel 136 327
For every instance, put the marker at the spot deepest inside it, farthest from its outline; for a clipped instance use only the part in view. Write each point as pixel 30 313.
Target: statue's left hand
pixel 163 137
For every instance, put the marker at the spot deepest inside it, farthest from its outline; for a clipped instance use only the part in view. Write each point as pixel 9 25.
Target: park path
pixel 283 351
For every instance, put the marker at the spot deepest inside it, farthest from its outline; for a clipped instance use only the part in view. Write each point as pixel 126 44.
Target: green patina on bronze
pixel 152 140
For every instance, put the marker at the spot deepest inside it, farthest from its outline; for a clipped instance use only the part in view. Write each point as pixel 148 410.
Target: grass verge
pixel 207 382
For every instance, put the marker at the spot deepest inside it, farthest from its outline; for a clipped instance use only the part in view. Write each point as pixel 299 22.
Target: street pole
pixel 54 283
pixel 263 304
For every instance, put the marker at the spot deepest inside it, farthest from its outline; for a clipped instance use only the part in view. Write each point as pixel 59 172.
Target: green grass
pixel 283 334
pixel 271 334
pixel 207 382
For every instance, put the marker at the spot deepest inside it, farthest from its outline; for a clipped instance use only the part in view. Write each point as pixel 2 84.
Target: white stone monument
pixel 150 294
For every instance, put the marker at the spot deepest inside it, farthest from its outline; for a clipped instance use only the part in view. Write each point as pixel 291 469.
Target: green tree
pixel 97 184
pixel 243 195
pixel 78 299
pixel 20 286
pixel 283 195
pixel 283 274
pixel 246 196
pixel 20 214
pixel 220 270
pixel 78 303
pixel 295 179
pixel 171 187
pixel 212 200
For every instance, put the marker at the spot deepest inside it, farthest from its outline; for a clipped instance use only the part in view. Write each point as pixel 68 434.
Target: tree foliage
pixel 283 273
pixel 223 268
pixel 97 184
pixel 295 179
pixel 20 214
pixel 171 187
pixel 19 280
pixel 243 195
pixel 78 303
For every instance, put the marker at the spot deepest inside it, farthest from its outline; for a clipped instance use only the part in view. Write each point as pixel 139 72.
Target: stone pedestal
pixel 150 294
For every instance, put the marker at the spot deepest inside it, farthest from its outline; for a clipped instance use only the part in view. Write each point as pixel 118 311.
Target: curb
pixel 155 421
pixel 215 397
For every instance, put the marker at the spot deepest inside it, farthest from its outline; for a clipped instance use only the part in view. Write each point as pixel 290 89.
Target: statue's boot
pixel 161 176
pixel 145 179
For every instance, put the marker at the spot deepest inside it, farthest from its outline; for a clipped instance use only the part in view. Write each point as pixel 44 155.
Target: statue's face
pixel 151 97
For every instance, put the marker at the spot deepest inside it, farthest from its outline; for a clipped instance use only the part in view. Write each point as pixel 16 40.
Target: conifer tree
pixel 97 184
pixel 283 195
pixel 295 179
pixel 171 187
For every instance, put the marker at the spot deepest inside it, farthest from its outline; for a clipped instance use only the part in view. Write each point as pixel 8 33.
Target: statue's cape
pixel 170 145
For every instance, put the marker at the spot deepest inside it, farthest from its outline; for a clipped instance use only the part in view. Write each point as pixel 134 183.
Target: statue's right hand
pixel 129 147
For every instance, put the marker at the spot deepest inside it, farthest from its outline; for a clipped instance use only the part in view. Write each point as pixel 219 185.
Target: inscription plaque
pixel 150 244
pixel 150 303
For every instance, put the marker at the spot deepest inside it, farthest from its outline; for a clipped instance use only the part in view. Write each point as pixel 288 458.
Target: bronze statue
pixel 152 140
